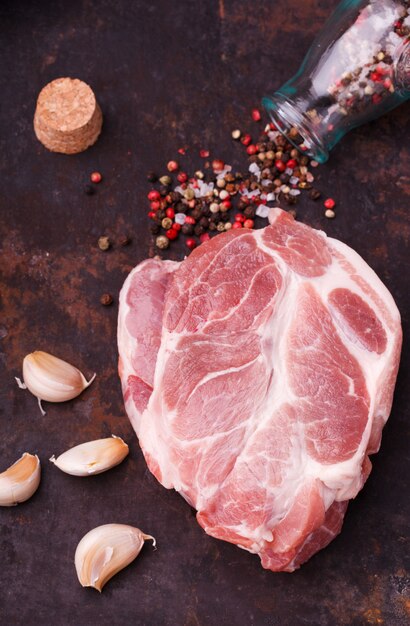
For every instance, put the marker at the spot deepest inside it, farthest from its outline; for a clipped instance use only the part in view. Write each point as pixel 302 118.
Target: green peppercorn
pixel 220 227
pixel 104 243
pixel 189 194
pixel 165 180
pixel 162 242
pixel 166 223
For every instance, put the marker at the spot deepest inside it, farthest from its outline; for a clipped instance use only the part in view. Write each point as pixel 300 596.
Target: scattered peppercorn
pixel 153 195
pixel 191 243
pixel 171 233
pixel 172 166
pixel 165 180
pixel 277 173
pixel 124 240
pixel 329 203
pixel 104 243
pixel 106 299
pixel 256 116
pixel 166 223
pixel 315 194
pixel 330 214
pixel 95 177
pixel 162 242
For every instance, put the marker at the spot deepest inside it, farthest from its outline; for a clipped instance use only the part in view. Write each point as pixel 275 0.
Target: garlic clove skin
pixel 52 379
pixel 106 550
pixel 92 457
pixel 20 481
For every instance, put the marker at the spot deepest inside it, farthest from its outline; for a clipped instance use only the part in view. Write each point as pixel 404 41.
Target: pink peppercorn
pixel 182 177
pixel 248 224
pixel 151 214
pixel 171 233
pixel 218 165
pixel 155 205
pixel 190 220
pixel 239 217
pixel 191 243
pixel 96 177
pixel 204 154
pixel 291 163
pixel 237 225
pixel 280 165
pixel 176 226
pixel 256 116
pixel 329 203
pixel 204 237
pixel 246 140
pixel 252 149
pixel 227 203
pixel 170 213
pixel 154 195
pixel 172 166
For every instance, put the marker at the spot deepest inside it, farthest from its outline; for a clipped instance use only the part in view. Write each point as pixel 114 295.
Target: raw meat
pixel 258 375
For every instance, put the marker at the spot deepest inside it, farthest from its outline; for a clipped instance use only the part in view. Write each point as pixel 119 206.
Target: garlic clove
pixel 92 457
pixel 106 550
pixel 20 480
pixel 52 379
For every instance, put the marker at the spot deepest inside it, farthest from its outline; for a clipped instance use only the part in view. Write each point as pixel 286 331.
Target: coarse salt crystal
pixel 222 173
pixel 288 171
pixel 271 197
pixel 309 177
pixel 262 210
pixel 179 190
pixel 266 182
pixel 254 169
pixel 294 180
pixel 203 189
pixel 180 218
pixel 294 192
pixel 251 194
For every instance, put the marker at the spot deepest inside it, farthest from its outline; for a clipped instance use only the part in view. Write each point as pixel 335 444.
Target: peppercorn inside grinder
pixel 357 69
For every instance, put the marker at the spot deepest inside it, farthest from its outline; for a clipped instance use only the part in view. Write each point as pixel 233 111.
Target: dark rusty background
pixel 168 74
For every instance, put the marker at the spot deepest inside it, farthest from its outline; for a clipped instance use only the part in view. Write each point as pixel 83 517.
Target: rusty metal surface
pixel 168 74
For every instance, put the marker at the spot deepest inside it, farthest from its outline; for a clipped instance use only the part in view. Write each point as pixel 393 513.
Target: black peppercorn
pixel 152 177
pixel 199 230
pixel 196 214
pixel 175 196
pixel 249 211
pixel 204 222
pixel 314 194
pixel 161 214
pixel 187 229
pixel 89 190
pixel 180 207
pixel 212 226
pixel 154 228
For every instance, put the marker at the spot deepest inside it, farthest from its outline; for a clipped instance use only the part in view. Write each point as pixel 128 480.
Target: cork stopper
pixel 67 118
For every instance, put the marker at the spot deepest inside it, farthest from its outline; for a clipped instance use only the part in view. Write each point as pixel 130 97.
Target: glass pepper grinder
pixel 357 69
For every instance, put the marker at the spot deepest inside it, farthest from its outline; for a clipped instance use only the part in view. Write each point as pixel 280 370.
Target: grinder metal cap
pixel 68 118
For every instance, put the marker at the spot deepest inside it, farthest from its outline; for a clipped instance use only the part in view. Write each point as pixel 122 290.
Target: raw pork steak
pixel 258 375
